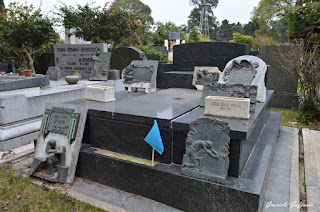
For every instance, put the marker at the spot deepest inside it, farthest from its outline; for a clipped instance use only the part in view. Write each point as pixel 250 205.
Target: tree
pixel 304 21
pixel 195 15
pixel 84 19
pixel 110 24
pixel 272 17
pixel 1 6
pixel 144 10
pixel 225 30
pixel 194 21
pixel 162 32
pixel 26 31
pixel 238 38
pixel 193 36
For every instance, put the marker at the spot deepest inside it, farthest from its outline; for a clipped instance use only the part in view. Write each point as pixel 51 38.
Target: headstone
pixel 101 66
pixel 59 143
pixel 71 58
pixel 284 83
pixel 246 70
pixel 229 107
pixel 207 150
pixel 203 75
pixel 140 74
pixel 237 91
pixel 4 66
pixel 99 93
pixel 54 73
pixel 218 54
pixel 123 56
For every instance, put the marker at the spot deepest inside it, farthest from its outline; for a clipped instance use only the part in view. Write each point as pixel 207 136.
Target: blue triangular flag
pixel 154 138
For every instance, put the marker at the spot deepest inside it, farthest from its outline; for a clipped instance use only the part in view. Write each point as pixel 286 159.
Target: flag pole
pixel 152 157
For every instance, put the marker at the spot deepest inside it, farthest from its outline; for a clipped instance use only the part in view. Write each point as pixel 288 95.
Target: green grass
pixel 288 118
pixel 18 193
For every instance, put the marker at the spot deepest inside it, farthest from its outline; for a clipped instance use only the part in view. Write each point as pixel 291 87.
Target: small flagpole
pixel 152 157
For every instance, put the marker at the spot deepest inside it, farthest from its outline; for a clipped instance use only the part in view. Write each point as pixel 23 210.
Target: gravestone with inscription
pixel 71 58
pixel 101 65
pixel 54 73
pixel 140 74
pixel 246 70
pixel 237 91
pixel 59 143
pixel 207 150
pixel 203 75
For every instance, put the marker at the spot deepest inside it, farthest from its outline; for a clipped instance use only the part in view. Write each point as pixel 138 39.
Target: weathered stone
pixel 207 150
pixel 141 74
pixel 114 75
pixel 71 58
pixel 238 91
pixel 229 107
pixel 14 82
pixel 123 56
pixel 59 143
pixel 99 93
pixel 54 73
pixel 204 75
pixel 101 66
pixel 246 70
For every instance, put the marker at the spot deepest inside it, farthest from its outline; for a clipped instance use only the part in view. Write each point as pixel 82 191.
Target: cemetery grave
pixel 222 161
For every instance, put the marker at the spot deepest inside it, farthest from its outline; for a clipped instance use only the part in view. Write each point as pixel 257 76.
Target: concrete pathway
pixel 311 140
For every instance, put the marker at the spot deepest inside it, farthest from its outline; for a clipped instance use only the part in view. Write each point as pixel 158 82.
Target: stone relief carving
pixel 207 150
pixel 136 74
pixel 237 90
pixel 240 72
pixel 205 77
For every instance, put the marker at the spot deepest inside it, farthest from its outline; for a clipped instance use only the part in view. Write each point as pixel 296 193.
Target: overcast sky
pixel 176 11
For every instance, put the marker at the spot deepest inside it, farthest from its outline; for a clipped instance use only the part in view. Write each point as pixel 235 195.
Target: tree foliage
pixel 110 24
pixel 193 35
pixel 25 31
pixel 238 38
pixel 162 32
pixel 304 21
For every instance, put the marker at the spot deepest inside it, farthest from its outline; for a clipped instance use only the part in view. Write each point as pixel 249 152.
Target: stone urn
pixel 72 79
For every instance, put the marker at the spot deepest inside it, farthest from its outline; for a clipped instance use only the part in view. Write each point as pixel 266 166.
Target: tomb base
pixel 165 183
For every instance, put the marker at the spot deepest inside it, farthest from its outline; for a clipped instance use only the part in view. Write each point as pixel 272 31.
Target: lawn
pixel 18 193
pixel 288 118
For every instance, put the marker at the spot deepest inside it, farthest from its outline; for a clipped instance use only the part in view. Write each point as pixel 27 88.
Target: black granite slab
pixel 243 134
pixel 187 56
pixel 175 79
pixel 164 183
pixel 163 106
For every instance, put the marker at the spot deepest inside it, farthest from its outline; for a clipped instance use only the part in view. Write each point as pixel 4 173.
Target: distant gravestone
pixel 187 56
pixel 71 58
pixel 54 73
pixel 237 91
pixel 141 74
pixel 101 65
pixel 207 150
pixel 246 70
pixel 203 75
pixel 59 143
pixel 4 66
pixel 284 83
pixel 123 56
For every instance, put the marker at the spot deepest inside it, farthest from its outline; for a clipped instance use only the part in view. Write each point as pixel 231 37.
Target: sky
pixel 176 11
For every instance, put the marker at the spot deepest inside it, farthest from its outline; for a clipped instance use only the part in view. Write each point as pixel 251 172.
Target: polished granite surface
pixel 240 129
pixel 163 105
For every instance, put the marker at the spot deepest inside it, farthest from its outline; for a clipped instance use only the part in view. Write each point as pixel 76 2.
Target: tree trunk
pixel 31 62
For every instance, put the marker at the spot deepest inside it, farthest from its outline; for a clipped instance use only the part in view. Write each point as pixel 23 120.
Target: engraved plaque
pixel 60 120
pixel 135 74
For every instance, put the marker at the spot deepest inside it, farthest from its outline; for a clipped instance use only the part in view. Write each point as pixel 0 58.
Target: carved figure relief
pixel 207 150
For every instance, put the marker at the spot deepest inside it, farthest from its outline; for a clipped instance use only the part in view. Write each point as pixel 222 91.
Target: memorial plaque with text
pixel 71 58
